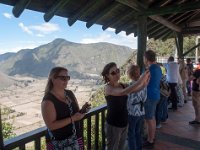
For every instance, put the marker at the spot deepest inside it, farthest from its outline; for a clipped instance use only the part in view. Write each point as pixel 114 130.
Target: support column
pixel 1 133
pixel 142 40
pixel 179 44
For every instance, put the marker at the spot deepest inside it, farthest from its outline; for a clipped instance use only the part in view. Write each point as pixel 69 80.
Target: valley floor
pixel 24 100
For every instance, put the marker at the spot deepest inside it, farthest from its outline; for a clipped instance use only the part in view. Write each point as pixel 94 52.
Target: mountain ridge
pixel 80 59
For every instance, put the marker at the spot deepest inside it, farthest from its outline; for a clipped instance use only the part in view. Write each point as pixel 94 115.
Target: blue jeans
pixel 135 132
pixel 161 110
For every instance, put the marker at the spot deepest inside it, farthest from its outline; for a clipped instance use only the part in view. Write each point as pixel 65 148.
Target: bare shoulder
pixel 47 104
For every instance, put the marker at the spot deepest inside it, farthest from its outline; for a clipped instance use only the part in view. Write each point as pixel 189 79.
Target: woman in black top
pixel 60 111
pixel 116 98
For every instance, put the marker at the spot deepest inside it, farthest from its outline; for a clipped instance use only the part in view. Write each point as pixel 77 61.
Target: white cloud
pixel 45 28
pixel 110 29
pixel 40 35
pixel 119 39
pixel 25 28
pixel 7 15
pixel 39 30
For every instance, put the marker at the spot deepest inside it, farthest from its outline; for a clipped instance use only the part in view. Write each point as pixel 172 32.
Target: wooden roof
pixel 163 16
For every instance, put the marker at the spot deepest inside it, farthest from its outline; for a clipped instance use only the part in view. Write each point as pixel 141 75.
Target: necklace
pixel 64 98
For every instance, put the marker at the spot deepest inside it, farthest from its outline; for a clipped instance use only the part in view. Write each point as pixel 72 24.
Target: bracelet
pixel 71 119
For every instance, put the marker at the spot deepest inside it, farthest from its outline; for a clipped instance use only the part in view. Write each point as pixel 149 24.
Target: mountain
pixel 79 59
pixel 5 81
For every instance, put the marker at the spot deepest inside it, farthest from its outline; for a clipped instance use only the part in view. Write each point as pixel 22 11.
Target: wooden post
pixel 179 44
pixel 142 40
pixel 1 133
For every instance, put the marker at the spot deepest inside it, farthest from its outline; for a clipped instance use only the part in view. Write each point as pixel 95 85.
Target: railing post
pixel 1 133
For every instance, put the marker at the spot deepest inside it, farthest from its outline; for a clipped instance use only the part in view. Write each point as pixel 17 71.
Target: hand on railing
pixel 77 116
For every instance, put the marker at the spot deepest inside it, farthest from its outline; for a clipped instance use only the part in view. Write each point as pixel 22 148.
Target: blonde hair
pixel 53 73
pixel 132 69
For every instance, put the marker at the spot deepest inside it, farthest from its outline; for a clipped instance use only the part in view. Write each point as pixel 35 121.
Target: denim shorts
pixel 150 108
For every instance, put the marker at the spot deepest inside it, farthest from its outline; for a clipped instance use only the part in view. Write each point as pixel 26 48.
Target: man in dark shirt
pixel 196 96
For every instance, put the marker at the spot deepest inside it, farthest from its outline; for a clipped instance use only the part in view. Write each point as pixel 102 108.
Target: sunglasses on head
pixel 115 72
pixel 63 78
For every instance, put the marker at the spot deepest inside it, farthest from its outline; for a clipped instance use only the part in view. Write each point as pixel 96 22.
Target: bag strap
pixel 69 106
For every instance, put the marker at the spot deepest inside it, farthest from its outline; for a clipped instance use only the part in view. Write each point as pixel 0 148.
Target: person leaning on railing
pixel 116 98
pixel 61 112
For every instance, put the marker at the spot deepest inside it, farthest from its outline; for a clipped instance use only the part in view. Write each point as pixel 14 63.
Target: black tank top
pixel 117 114
pixel 62 112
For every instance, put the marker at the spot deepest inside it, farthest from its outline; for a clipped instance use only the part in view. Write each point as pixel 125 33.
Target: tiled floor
pixel 178 134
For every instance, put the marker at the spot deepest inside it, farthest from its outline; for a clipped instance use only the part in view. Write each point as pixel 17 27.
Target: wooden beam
pixel 141 8
pixel 191 31
pixel 101 14
pixel 19 7
pixel 172 9
pixel 81 11
pixel 166 23
pixel 117 20
pixel 133 4
pixel 52 11
pixel 190 50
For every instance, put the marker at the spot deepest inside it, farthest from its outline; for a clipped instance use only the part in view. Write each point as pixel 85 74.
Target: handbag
pixel 164 89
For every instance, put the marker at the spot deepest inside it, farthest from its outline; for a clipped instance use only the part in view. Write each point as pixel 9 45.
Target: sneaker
pixel 158 126
pixel 194 122
pixel 148 145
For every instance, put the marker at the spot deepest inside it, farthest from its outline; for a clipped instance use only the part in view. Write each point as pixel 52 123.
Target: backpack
pixel 164 88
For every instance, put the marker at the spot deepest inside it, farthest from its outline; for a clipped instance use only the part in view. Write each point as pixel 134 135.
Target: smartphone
pixel 86 107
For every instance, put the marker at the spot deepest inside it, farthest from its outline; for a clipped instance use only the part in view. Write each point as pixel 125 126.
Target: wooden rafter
pixel 101 14
pixel 166 23
pixel 72 19
pixel 116 21
pixel 165 35
pixel 51 12
pixel 126 26
pixel 19 7
pixel 172 9
pixel 141 9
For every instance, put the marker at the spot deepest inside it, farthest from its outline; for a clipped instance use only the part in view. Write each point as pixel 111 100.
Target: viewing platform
pixel 176 133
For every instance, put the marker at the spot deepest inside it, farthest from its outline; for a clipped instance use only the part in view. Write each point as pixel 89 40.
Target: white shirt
pixel 172 72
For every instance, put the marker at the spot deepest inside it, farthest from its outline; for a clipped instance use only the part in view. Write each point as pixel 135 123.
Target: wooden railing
pixel 92 131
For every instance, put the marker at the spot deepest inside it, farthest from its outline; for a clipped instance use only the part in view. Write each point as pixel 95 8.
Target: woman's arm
pixel 49 116
pixel 141 83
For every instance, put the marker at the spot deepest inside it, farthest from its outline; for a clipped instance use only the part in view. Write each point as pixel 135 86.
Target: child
pixel 135 106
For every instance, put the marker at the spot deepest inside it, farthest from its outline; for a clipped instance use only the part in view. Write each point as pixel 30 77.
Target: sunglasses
pixel 63 78
pixel 115 72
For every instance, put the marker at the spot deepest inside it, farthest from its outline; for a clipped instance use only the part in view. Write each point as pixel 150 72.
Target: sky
pixel 30 30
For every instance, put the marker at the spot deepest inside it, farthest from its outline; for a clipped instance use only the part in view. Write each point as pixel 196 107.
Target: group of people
pixel 128 105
